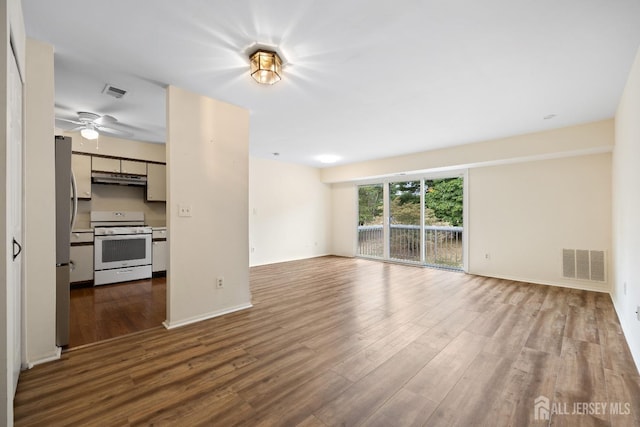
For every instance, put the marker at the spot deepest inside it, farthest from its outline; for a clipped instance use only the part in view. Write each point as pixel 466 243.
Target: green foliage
pixel 407 213
pixel 369 204
pixel 444 197
pixel 405 192
pixel 443 201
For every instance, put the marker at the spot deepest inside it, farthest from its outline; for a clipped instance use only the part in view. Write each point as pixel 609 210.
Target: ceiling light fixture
pixel 328 158
pixel 89 132
pixel 266 67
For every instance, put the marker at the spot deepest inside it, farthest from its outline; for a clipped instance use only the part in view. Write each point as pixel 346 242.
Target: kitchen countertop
pixel 156 223
pixel 82 230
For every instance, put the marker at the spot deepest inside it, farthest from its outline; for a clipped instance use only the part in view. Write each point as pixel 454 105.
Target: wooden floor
pixel 103 312
pixel 335 341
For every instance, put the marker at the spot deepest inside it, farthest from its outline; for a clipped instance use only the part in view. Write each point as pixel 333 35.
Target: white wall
pixel 289 212
pixel 524 214
pixel 39 190
pixel 510 200
pixel 626 210
pixel 208 171
pixel 590 138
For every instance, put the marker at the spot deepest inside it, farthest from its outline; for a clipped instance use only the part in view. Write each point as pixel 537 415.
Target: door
pixel 14 220
pixel 415 221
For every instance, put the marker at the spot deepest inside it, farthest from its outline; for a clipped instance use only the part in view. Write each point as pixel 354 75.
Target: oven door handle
pixel 123 236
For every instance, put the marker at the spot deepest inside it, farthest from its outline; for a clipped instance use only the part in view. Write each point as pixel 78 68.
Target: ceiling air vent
pixel 114 91
pixel 583 264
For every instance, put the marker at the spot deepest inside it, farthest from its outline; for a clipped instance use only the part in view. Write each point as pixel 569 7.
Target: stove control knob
pixel 109 231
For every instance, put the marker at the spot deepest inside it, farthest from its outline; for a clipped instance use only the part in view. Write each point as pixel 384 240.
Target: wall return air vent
pixel 584 264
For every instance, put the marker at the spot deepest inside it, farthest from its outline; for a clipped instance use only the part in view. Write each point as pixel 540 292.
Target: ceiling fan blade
pixel 106 119
pixel 75 122
pixel 68 125
pixel 112 131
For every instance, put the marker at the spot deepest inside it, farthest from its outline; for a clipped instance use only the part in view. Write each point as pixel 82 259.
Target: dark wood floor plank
pixel 582 325
pixel 297 402
pixel 509 339
pixel 471 398
pixel 548 331
pixel 623 391
pixel 581 379
pixel 338 341
pixel 405 408
pixel 356 403
pixel 532 374
pixel 368 359
pixel 443 371
pixel 103 312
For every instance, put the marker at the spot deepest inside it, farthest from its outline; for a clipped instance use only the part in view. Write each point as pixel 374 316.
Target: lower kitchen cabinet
pixel 159 255
pixel 82 267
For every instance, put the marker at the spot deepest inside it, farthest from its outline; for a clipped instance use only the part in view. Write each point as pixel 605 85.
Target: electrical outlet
pixel 487 256
pixel 625 288
pixel 220 282
pixel 185 210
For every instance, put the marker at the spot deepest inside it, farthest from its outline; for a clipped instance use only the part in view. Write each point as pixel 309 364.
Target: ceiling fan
pixel 92 125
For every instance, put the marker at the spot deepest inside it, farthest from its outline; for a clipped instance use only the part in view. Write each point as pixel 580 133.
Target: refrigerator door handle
pixel 74 211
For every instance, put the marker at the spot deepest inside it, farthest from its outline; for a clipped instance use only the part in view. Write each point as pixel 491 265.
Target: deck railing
pixel 443 245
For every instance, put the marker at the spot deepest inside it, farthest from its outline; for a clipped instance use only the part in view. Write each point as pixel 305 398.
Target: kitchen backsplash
pixel 118 197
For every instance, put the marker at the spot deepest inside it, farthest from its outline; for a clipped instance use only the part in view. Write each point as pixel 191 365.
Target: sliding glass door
pixel 415 221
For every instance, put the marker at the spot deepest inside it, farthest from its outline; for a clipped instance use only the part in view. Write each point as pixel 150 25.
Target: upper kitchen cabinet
pixel 133 167
pixel 156 182
pixel 106 164
pixel 109 164
pixel 81 166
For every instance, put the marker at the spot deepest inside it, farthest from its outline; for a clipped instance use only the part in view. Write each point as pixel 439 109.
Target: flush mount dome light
pixel 266 67
pixel 89 133
pixel 328 158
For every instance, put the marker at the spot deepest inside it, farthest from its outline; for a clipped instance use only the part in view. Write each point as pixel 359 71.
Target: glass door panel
pixel 370 220
pixel 404 221
pixel 443 222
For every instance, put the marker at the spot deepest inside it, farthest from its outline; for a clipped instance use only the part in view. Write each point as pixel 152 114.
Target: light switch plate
pixel 185 210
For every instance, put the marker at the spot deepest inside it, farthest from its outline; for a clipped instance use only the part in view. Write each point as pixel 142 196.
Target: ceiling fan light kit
pixel 92 125
pixel 89 133
pixel 266 67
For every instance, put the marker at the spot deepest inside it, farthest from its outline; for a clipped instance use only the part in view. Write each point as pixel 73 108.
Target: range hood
pixel 118 179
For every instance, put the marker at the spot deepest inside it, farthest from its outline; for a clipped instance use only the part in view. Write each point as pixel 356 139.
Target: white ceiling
pixel 365 78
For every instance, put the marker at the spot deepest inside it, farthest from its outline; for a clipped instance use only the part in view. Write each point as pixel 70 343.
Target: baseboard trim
pixel 211 315
pixel 605 290
pixel 289 260
pixel 46 359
